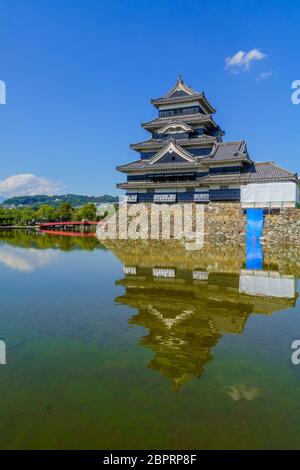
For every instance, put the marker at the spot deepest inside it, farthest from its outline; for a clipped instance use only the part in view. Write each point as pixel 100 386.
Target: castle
pixel 186 160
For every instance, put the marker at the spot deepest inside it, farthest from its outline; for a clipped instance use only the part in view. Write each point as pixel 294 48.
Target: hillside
pixel 74 199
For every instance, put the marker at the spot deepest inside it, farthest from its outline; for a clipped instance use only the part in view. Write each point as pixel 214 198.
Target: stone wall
pixel 282 228
pixel 224 222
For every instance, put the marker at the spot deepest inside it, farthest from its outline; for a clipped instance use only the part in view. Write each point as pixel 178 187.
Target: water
pixel 97 358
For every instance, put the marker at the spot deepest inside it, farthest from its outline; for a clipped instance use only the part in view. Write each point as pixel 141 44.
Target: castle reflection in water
pixel 187 309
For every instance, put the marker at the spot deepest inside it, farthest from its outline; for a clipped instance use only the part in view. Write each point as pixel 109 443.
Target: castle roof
pixel 221 153
pixel 252 173
pixel 153 144
pixel 228 152
pixel 264 172
pixel 197 118
pixel 181 93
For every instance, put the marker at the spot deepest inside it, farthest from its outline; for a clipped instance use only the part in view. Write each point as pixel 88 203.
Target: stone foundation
pixel 223 222
pixel 282 228
pixel 226 221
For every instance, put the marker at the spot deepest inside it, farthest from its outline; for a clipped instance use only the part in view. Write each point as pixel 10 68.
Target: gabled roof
pixel 174 125
pixel 180 86
pixel 229 152
pixel 196 118
pixel 181 93
pixel 153 144
pixel 223 152
pixel 171 147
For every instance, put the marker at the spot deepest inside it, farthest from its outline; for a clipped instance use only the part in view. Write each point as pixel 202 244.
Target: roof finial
pixel 179 78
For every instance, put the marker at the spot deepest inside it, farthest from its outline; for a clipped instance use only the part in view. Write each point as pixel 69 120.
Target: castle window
pixel 179 111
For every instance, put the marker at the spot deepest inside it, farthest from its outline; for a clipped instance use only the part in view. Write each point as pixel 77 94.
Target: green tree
pixel 65 211
pixel 76 215
pixel 47 213
pixel 27 216
pixel 88 211
pixel 6 216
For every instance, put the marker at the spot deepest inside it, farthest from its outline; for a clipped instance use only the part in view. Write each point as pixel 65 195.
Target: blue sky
pixel 80 74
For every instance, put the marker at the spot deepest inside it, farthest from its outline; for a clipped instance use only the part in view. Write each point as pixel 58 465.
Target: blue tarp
pixel 255 224
pixel 254 254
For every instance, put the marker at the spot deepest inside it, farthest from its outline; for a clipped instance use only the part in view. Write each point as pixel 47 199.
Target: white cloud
pixel 27 185
pixel 27 260
pixel 264 75
pixel 242 60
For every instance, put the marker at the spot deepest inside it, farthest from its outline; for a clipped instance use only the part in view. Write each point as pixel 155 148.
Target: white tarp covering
pixel 277 286
pixel 269 192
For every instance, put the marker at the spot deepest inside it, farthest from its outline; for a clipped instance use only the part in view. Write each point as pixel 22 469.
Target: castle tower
pixel 186 160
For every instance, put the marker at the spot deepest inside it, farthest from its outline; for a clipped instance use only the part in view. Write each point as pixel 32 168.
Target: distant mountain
pixel 74 199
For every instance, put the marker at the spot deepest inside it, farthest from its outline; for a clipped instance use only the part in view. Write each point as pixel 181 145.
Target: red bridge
pixel 85 223
pixel 68 233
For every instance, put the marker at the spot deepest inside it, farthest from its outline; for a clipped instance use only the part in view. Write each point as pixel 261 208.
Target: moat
pixel 146 346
